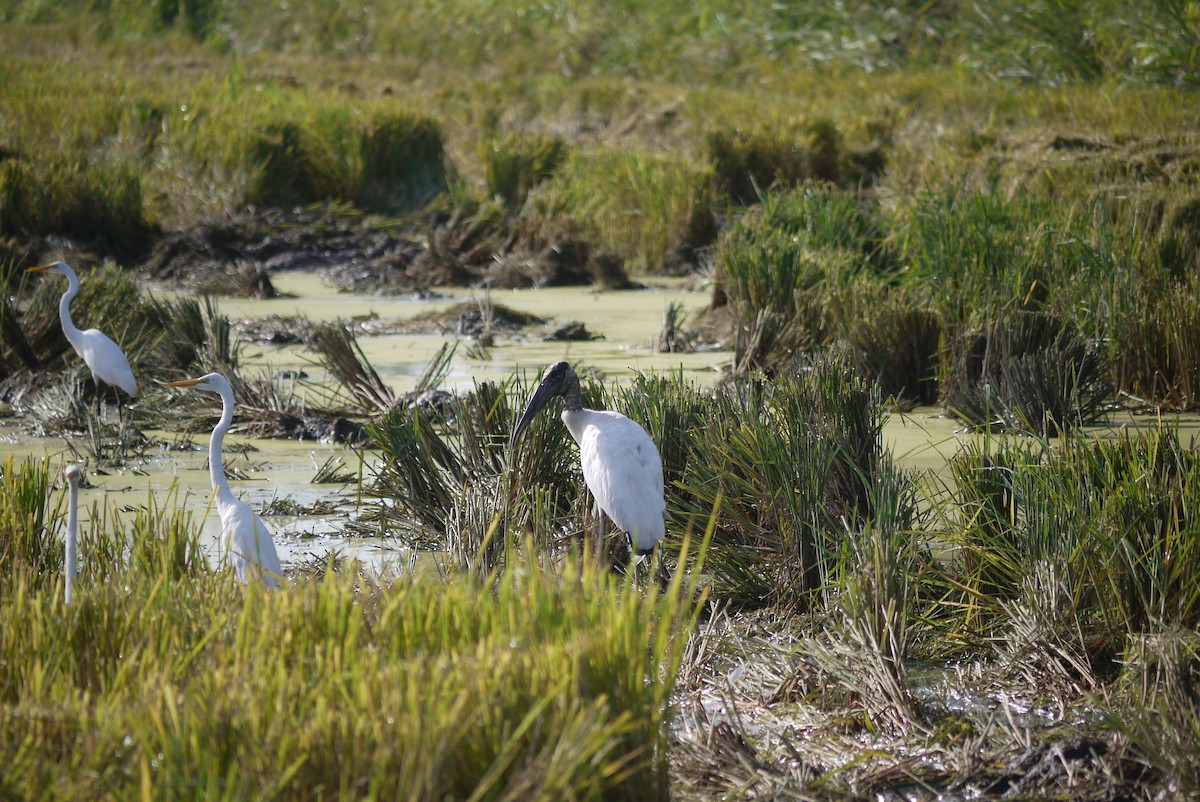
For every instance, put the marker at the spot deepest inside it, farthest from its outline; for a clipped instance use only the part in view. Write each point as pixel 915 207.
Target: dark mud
pixel 364 255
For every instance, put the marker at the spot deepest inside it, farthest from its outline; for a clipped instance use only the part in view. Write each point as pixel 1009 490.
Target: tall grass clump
pixel 415 689
pixel 1029 371
pixel 776 263
pixel 1157 706
pixel 514 164
pixel 630 203
pixel 1075 549
pixel 342 356
pixel 750 161
pixel 163 675
pixel 892 338
pixel 978 250
pixel 788 465
pixel 866 646
pixel 31 515
pixel 193 335
pixel 1154 346
pixel 99 204
pixel 292 153
pixel 441 475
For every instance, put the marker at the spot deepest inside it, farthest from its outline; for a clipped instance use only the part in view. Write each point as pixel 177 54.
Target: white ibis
pixel 72 473
pixel 245 540
pixel 104 358
pixel 621 465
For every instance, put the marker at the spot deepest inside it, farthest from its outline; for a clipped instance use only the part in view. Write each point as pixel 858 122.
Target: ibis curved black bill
pixel 537 402
pixel 559 379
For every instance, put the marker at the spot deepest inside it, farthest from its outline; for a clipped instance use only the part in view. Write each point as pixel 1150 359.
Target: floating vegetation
pixel 333 471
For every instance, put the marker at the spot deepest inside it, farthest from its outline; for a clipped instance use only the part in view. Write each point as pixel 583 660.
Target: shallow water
pixel 629 321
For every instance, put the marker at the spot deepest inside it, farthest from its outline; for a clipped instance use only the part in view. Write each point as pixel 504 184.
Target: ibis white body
pixel 621 465
pixel 623 471
pixel 246 545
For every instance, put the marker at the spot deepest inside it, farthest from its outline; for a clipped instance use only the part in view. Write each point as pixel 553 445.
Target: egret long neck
pixel 216 446
pixel 74 335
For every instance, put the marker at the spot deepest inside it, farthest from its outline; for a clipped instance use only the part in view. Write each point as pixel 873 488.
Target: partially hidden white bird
pixel 104 358
pixel 621 465
pixel 245 540
pixel 70 563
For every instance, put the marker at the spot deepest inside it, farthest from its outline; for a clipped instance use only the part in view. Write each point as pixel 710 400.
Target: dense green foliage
pixel 163 675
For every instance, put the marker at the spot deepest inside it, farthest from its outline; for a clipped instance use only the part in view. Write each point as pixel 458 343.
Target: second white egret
pixel 245 540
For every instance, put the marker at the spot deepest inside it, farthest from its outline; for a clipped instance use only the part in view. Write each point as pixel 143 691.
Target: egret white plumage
pixel 245 540
pixel 72 473
pixel 104 358
pixel 621 465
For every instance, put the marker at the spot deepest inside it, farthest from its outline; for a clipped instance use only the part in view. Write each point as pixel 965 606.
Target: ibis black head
pixel 559 379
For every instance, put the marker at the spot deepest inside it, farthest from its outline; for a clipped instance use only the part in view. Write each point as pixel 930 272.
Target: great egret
pixel 104 358
pixel 72 472
pixel 245 539
pixel 621 465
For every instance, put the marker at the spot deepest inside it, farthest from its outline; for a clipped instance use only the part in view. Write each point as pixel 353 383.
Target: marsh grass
pixel 1097 536
pixel 341 355
pixel 72 197
pixel 514 164
pixel 166 676
pixel 294 153
pixel 1157 355
pixel 778 265
pixel 30 516
pixel 1030 371
pixel 866 648
pixel 1055 227
pixel 790 463
pixel 751 161
pixel 630 203
pixel 441 477
pixel 1160 685
pixel 893 339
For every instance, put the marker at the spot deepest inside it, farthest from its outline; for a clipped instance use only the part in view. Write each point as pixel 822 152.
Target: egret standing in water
pixel 104 358
pixel 245 540
pixel 72 472
pixel 621 465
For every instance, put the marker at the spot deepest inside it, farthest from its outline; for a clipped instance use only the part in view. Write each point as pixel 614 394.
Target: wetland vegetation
pixel 992 210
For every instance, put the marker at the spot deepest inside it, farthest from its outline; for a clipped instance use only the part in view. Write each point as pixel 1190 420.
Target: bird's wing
pixel 623 470
pixel 268 558
pixel 247 544
pixel 107 361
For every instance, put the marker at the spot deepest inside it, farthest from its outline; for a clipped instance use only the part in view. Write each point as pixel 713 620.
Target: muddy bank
pixel 365 255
